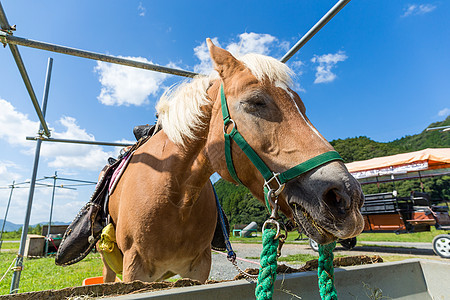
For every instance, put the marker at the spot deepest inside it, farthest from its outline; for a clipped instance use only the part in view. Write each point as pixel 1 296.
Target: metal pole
pixel 75 180
pixel 32 138
pixel 51 213
pixel 15 40
pixel 6 213
pixel 19 262
pixel 23 72
pixel 324 20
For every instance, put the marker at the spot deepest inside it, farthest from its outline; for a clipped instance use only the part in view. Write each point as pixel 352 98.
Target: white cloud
pixel 68 159
pixel 252 43
pixel 202 53
pixel 66 156
pixel 297 66
pixel 444 112
pixel 326 63
pixel 414 9
pixel 122 85
pixel 141 10
pixel 16 126
pixel 7 175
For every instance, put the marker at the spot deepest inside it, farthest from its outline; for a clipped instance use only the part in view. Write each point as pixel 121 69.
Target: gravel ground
pixel 222 269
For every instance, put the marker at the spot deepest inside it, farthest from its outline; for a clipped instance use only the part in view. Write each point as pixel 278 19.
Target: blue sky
pixel 379 69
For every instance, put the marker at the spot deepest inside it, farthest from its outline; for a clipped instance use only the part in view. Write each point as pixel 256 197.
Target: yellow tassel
pixel 108 246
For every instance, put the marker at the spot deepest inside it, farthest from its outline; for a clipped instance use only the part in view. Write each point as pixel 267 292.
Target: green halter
pixel 268 175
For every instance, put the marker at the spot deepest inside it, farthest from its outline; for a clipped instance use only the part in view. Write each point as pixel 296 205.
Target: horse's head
pixel 325 200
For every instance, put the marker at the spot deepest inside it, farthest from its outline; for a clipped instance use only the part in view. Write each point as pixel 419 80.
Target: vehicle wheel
pixel 441 245
pixel 313 244
pixel 348 243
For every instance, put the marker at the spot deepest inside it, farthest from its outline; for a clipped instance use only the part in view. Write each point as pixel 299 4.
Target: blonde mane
pixel 179 108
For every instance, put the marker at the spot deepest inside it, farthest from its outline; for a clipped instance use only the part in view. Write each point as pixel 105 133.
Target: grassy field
pixel 11 246
pixel 423 237
pixel 42 274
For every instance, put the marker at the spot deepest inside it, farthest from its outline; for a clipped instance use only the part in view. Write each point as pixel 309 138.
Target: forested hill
pixel 361 148
pixel 241 207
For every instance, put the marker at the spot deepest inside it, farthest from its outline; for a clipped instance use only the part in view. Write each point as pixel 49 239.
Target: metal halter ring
pixel 225 125
pixel 280 185
pixel 274 222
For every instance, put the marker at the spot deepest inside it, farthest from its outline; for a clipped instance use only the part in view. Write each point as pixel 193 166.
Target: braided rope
pixel 268 271
pixel 326 272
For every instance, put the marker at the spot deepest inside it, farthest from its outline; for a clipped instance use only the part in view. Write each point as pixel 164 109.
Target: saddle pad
pixel 119 171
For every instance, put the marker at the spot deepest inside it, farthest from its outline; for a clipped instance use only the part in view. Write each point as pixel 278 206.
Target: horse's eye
pixel 259 103
pixel 255 104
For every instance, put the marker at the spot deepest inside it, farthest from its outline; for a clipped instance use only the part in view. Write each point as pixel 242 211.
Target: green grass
pixel 424 237
pixel 10 246
pixel 42 274
pixel 298 258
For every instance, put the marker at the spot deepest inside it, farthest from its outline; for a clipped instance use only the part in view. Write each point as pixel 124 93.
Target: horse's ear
pixel 224 62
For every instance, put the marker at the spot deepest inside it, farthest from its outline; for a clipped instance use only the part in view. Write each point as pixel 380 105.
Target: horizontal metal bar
pixel 324 20
pixel 75 180
pixel 78 184
pixel 32 138
pixel 15 40
pixel 56 186
pixel 23 72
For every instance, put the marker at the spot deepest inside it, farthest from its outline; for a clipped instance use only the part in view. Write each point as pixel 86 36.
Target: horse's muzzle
pixel 326 203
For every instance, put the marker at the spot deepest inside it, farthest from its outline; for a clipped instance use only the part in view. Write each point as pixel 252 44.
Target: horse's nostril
pixel 334 201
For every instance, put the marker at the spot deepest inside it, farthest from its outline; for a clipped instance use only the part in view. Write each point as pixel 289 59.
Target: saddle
pixel 85 230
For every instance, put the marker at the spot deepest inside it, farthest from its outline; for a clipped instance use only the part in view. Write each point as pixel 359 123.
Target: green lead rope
pixel 326 272
pixel 268 271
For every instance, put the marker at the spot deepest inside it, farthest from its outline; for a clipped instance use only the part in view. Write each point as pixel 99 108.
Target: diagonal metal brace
pixel 3 34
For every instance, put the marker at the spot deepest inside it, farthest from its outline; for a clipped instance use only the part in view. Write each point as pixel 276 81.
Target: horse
pixel 163 207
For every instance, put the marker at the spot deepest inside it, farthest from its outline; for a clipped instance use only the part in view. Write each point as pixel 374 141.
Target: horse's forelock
pixel 263 67
pixel 179 109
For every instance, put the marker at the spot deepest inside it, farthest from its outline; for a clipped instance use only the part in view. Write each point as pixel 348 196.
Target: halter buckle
pixel 280 185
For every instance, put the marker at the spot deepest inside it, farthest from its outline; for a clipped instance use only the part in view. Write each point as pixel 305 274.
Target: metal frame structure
pixel 19 185
pixel 7 38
